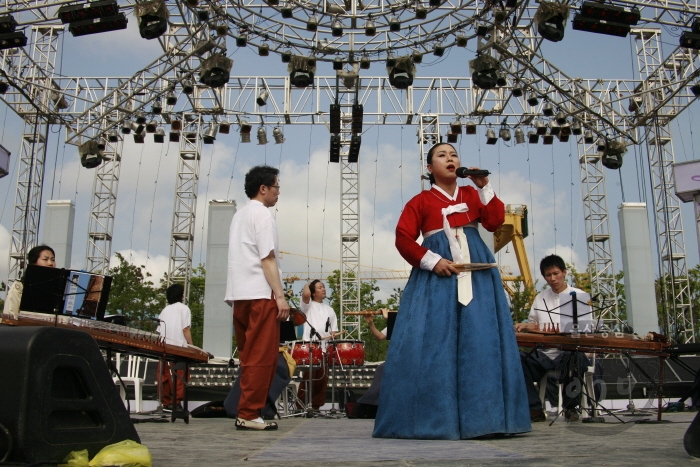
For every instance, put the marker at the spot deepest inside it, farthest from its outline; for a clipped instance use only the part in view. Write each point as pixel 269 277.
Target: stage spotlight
pixel 334 153
pixel 209 135
pixel 551 20
pixel 278 135
pixel 152 17
pixel 301 71
pixel 263 50
pixel 484 70
pixel 435 3
pixel 101 144
pixel 159 136
pixel 606 19
pixel 224 128
pixel 565 130
pixel 402 73
pixel 337 28
pixel 203 15
pixel 337 63
pixel 548 110
pixel 501 79
pixel 287 11
pixel 547 139
pixel 695 89
pixel 93 17
pixel 139 137
pixel 635 103
pixel 390 61
pixel 5 86
pixel 533 137
pixel 241 41
pixel 576 129
pixel 246 128
pixel 286 56
pixel 612 155
pixel 312 23
pixel 540 127
pixel 504 134
pixel 126 127
pixel 519 136
pixel 439 50
pixel 12 40
pixel 394 24
pixel 564 138
pixel 481 29
pixel 140 117
pixel 461 41
pixel 354 151
pixel 421 12
pixel 364 63
pixel 470 128
pixel 517 91
pixel 137 127
pixel 554 128
pixel 174 137
pixel 491 137
pixel 176 125
pixel 533 100
pixel 221 29
pixel 499 15
pixel 8 23
pixel 113 136
pixel 561 118
pixel 262 136
pixel 456 127
pixel 215 70
pixel 452 137
pixel 187 87
pixel 588 137
pixel 151 126
pixel 690 40
pixel 170 98
pixel 90 156
pixel 417 57
pixel 262 98
pixel 357 116
pixel 370 28
pixel 601 144
pixel 157 106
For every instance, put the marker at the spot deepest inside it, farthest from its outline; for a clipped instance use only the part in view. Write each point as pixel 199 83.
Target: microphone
pixel 464 172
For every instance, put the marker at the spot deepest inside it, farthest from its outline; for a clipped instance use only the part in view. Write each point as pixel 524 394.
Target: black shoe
pixel 537 416
pixel 571 415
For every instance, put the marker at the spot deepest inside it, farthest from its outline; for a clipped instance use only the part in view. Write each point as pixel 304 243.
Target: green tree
pixel 196 303
pixel 521 301
pixel 134 296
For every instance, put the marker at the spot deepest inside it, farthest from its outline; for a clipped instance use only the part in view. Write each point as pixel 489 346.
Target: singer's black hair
pixel 552 261
pixel 312 287
pixel 175 293
pixel 431 151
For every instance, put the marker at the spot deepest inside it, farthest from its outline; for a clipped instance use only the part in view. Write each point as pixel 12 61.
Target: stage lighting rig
pixel 246 128
pixel 470 128
pixel 7 24
pixel 576 129
pixel 92 17
pixel 452 137
pixel 547 139
pixel 337 28
pixel 551 20
pixel 262 98
pixel 263 50
pixel 548 110
pixel 491 137
pixel 504 133
pixel 370 27
pixel 402 72
pixel 8 37
pixel 113 136
pixel 695 89
pixel 301 71
pixel 278 135
pixel 533 137
pixel 215 70
pixel 224 128
pixel 519 136
pixel 157 107
pixel 485 71
pixel 159 136
pixel 456 127
pixel 461 40
pixel 612 155
pixel 90 156
pixel 153 18
pixel 394 24
pixel 312 23
pixel 588 137
pixel 210 134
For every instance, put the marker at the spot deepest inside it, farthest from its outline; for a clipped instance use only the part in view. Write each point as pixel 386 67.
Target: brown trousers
pixel 166 396
pixel 257 336
pixel 319 383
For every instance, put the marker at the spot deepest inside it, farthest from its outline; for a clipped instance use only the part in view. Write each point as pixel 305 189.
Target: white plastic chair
pixel 134 376
pixel 542 386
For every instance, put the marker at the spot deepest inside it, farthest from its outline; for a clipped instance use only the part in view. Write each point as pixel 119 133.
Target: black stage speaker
pixel 57 395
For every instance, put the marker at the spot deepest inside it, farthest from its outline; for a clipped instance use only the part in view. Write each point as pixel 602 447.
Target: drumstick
pixel 331 336
pixel 381 311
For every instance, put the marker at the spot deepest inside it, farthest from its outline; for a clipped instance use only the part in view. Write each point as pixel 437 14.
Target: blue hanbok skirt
pixel 453 371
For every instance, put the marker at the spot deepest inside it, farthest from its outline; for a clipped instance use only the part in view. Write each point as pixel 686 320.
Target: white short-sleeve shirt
pixel 321 317
pixel 253 235
pixel 174 319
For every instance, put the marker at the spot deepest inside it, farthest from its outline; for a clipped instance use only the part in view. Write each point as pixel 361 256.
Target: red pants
pixel 258 337
pixel 166 385
pixel 319 383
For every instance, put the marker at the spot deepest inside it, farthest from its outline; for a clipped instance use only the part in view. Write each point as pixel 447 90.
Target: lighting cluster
pixel 691 39
pixel 606 19
pixel 401 71
pixel 551 19
pixel 92 17
pixel 486 72
pixel 153 18
pixel 9 38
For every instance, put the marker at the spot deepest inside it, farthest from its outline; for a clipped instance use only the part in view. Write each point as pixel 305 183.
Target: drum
pixel 346 353
pixel 303 351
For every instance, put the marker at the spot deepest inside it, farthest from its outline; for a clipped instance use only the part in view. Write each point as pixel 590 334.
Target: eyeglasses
pixel 274 186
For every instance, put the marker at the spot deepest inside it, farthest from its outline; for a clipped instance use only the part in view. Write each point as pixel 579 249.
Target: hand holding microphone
pixel 464 172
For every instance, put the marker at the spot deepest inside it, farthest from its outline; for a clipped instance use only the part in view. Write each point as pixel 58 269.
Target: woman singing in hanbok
pixel 453 369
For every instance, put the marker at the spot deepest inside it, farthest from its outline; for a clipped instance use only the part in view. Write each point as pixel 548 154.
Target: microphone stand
pixel 312 333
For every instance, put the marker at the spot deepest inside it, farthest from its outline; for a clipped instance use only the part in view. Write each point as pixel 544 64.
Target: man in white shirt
pixel 322 318
pixel 175 322
pixel 254 289
pixel 537 363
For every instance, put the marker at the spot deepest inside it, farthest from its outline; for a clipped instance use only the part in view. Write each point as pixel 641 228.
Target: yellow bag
pixel 126 453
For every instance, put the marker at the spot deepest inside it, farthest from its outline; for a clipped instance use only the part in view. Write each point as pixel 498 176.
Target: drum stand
pixel 333 412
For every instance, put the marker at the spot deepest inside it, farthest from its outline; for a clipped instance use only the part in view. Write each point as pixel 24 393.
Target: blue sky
pixel 546 178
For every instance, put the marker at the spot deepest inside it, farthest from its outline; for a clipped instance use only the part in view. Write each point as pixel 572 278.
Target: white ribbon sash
pixel 460 252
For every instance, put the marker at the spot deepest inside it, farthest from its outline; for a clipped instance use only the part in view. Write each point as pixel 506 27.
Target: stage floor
pixel 344 442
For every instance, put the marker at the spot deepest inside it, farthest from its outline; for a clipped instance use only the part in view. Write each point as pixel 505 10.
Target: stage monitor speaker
pixel 57 395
